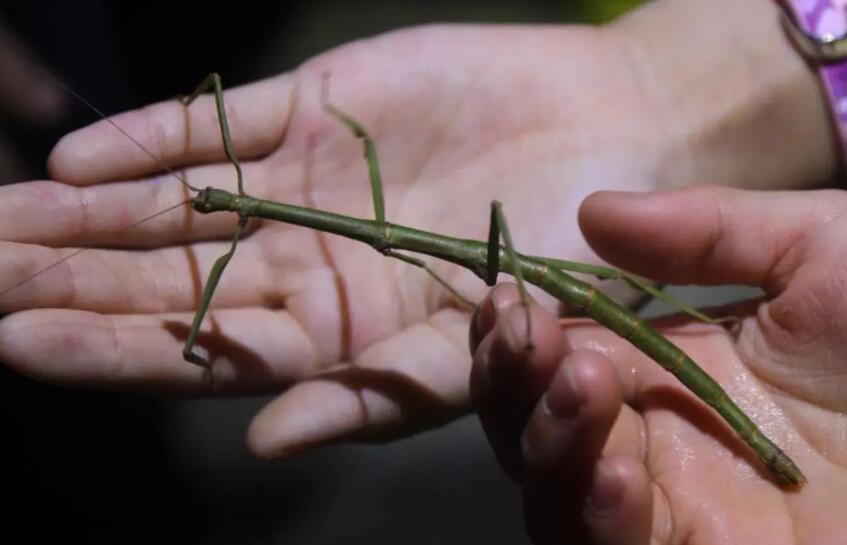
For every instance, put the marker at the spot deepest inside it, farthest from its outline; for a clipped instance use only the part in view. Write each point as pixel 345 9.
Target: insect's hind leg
pixel 608 273
pixel 497 227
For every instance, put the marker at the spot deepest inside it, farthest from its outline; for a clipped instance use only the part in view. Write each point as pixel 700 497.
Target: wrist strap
pixel 818 29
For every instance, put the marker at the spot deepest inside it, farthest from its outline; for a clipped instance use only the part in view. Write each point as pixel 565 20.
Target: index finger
pixel 145 140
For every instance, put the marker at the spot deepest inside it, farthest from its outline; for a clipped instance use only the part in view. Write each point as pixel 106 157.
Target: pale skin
pixel 609 448
pixel 460 117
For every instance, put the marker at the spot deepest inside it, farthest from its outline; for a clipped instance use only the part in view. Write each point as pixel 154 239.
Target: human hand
pixel 362 347
pixel 609 448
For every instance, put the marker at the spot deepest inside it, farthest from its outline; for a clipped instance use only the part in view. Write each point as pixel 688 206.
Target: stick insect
pixel 486 259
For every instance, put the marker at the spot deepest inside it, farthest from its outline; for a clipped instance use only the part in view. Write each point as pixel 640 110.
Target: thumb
pixel 710 235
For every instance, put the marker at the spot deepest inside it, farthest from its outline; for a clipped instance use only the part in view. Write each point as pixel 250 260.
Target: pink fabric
pixel 827 18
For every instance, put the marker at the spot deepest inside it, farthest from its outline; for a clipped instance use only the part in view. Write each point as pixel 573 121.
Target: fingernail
pixel 606 492
pixel 483 322
pixel 565 395
pixel 514 327
pixel 505 364
pixel 508 358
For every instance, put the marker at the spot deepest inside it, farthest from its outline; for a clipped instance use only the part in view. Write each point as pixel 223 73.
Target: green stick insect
pixel 486 259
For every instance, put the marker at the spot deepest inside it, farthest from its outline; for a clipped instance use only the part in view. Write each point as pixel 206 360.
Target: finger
pixel 163 280
pixel 619 508
pixel 168 133
pixel 499 298
pixel 506 381
pixel 145 213
pixel 251 350
pixel 708 235
pixel 414 380
pixel 564 439
pixel 571 423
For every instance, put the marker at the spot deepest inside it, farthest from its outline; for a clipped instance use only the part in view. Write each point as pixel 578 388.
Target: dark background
pixel 106 468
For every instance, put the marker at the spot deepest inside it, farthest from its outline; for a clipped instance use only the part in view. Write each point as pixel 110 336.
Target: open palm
pixel 361 345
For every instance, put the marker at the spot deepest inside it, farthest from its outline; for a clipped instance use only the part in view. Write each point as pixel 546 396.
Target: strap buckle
pixel 825 49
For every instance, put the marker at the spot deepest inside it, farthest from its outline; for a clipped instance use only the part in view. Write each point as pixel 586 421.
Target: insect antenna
pixel 109 120
pixel 75 253
pixel 141 146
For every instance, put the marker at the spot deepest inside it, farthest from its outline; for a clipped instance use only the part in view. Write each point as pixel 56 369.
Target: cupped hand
pixel 609 448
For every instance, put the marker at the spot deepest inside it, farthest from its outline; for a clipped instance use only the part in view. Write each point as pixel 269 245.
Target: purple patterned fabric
pixel 826 19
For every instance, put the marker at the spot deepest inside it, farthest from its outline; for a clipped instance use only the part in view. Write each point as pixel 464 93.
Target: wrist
pixel 737 102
